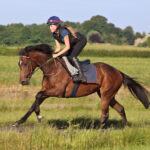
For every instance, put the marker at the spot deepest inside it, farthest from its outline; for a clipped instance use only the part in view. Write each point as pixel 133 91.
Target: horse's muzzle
pixel 24 82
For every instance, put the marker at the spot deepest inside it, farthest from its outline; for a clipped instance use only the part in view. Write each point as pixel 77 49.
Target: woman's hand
pixel 55 55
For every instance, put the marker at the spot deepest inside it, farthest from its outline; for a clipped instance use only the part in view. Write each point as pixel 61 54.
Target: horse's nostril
pixel 24 82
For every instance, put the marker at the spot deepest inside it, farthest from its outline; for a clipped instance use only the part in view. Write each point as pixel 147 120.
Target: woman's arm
pixel 58 47
pixel 67 47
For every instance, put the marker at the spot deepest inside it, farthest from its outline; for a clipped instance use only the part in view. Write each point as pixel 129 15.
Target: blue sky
pixel 122 13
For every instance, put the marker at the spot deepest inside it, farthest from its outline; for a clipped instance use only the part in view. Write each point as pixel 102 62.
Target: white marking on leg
pixel 40 117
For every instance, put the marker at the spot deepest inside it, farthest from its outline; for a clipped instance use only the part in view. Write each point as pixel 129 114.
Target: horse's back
pixel 105 68
pixel 108 74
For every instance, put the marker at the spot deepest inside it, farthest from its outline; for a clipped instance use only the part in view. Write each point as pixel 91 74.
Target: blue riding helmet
pixel 54 20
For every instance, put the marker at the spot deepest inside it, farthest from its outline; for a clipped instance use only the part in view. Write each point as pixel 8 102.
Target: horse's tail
pixel 137 90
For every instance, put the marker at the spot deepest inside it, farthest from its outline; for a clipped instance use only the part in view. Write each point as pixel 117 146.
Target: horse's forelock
pixel 22 52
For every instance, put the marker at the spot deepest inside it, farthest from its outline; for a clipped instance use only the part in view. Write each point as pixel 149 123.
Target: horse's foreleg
pixel 40 98
pixel 24 118
pixel 34 107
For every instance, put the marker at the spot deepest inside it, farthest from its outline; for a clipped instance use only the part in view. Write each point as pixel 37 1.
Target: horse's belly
pixel 82 90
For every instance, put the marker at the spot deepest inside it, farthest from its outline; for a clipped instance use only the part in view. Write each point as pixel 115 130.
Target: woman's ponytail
pixel 72 31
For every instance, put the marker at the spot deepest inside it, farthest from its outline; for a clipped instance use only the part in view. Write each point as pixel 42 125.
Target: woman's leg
pixel 77 48
pixel 75 51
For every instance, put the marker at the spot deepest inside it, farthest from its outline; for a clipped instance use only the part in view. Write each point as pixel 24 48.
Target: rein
pixel 33 71
pixel 42 65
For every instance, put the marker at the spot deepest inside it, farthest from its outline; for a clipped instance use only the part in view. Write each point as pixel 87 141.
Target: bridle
pixel 32 71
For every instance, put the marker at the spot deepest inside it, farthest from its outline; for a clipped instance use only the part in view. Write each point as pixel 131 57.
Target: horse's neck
pixel 40 60
pixel 53 67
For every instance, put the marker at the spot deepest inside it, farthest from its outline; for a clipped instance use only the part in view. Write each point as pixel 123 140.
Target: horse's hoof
pixel 100 126
pixel 40 118
pixel 16 124
pixel 97 127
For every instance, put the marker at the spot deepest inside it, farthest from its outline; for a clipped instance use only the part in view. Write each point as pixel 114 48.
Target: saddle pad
pixel 90 72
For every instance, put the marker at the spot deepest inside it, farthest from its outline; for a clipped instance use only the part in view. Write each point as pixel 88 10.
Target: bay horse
pixel 58 83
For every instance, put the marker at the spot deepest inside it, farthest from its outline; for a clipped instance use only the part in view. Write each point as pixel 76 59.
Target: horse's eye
pixel 25 64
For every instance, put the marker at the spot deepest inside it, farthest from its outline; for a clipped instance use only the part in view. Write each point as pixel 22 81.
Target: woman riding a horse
pixel 74 43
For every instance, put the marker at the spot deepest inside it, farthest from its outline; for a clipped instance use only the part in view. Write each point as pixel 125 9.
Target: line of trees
pixel 96 29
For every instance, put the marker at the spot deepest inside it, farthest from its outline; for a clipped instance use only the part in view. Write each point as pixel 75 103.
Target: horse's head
pixel 29 60
pixel 26 69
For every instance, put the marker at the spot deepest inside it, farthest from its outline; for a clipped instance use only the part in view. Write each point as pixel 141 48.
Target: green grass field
pixel 69 123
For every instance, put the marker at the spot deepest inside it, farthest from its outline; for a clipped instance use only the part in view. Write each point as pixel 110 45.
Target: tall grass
pixel 95 50
pixel 8 50
pixel 104 50
pixel 46 138
pixel 111 47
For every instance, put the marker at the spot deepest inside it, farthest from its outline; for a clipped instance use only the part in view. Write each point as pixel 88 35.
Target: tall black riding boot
pixel 80 77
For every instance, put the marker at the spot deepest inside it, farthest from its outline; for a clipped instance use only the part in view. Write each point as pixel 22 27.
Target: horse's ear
pixel 19 50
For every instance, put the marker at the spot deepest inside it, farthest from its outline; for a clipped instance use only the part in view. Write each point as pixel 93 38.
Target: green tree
pixel 138 35
pixel 25 35
pixel 13 34
pixel 129 35
pixel 3 34
pixel 19 34
pixel 143 34
pixel 45 34
pixel 96 23
pixel 94 37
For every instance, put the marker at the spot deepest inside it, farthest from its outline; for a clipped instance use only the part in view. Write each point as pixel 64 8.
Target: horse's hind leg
pixel 119 108
pixel 106 94
pixel 105 109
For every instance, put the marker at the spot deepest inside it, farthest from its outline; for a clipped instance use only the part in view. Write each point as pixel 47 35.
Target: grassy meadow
pixel 69 123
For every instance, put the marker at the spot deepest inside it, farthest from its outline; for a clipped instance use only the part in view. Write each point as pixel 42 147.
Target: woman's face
pixel 53 27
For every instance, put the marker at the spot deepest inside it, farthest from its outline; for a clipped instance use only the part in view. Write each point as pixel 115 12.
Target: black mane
pixel 43 48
